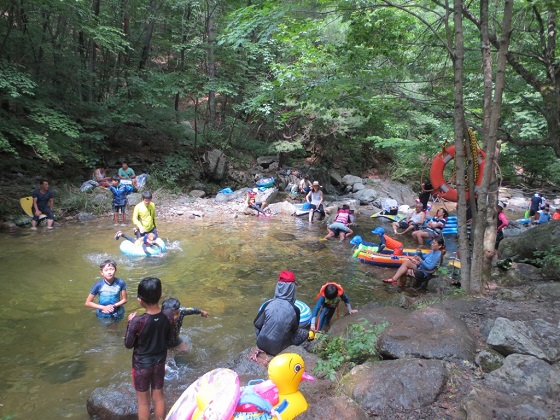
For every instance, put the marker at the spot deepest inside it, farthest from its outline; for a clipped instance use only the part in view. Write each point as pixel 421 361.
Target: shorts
pixel 47 212
pixel 337 226
pixel 432 234
pixel 421 275
pixel 532 212
pixel 151 377
pixel 403 224
pixel 119 209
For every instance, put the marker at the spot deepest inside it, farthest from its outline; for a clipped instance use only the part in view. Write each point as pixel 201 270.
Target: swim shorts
pixel 151 377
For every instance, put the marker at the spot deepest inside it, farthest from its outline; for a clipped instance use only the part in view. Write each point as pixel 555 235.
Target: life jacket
pixel 340 290
pixel 343 216
pixel 251 196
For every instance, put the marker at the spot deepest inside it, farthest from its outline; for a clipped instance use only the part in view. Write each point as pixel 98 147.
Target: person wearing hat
pixel 251 202
pixel 502 222
pixel 315 199
pixel 144 216
pixel 387 242
pixel 277 323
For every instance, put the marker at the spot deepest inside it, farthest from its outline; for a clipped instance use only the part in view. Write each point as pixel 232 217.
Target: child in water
pixel 149 334
pixel 112 294
pixel 172 304
pixel 144 241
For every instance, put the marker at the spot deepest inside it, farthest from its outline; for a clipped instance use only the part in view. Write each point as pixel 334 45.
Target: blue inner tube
pixel 265 182
pixel 128 248
pixel 304 313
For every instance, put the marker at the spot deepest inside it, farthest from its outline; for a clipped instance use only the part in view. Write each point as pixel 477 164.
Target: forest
pixel 343 84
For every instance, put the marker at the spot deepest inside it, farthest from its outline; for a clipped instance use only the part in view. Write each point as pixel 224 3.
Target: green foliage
pixel 174 171
pixel 71 200
pixel 340 354
pixel 549 257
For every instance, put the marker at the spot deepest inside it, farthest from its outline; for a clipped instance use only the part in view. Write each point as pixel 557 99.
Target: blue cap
pixel 356 240
pixel 378 231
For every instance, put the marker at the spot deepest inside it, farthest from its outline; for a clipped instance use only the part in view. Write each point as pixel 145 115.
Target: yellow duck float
pixel 287 371
pixel 215 395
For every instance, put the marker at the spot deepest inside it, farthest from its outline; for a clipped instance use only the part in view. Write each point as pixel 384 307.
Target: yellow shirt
pixel 144 217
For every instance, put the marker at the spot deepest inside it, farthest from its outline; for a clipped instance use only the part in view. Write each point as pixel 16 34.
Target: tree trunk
pixel 211 40
pixel 149 34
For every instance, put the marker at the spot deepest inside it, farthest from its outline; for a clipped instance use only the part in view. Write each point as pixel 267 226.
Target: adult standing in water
pixel 315 198
pixel 144 216
pixel 43 204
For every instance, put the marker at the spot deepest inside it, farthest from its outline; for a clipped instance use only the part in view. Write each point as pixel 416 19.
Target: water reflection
pixel 53 350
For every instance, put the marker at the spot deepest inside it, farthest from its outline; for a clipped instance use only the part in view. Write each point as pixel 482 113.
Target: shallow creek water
pixel 53 350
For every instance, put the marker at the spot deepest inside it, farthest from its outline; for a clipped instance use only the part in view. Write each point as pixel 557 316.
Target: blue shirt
pixel 108 293
pixel 430 261
pixel 119 194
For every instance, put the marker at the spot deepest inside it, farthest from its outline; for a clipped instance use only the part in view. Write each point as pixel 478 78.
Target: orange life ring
pixel 441 187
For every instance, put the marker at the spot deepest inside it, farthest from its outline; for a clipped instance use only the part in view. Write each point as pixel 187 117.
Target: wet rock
pixel 197 193
pixel 525 375
pixel 429 333
pixel 489 360
pixel 387 386
pixel 537 338
pixel 518 275
pixel 284 207
pixel 332 408
pixel 84 216
pixel 115 402
pixel 21 220
pixel 369 317
pixel 8 226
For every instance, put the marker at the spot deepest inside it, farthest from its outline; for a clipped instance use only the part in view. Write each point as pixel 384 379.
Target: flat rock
pixel 395 385
pixel 430 334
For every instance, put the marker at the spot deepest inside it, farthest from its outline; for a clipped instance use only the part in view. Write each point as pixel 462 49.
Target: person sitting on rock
pixel 100 176
pixel 413 222
pixel 252 203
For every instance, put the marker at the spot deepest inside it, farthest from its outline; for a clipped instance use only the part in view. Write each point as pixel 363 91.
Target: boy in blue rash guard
pixel 112 294
pixel 172 304
pixel 120 192
pixel 421 269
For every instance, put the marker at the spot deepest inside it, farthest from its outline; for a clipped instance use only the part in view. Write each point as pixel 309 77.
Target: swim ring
pixel 128 248
pixel 265 182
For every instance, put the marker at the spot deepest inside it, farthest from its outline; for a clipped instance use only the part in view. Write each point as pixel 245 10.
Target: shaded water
pixel 53 351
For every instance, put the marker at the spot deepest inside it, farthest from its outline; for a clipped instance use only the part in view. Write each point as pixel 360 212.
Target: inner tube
pixel 128 248
pixel 441 187
pixel 265 182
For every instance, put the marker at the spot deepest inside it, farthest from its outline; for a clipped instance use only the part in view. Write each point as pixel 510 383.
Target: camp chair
pixel 430 274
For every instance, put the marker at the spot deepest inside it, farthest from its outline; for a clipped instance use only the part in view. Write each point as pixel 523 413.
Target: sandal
pixel 258 356
pixel 390 281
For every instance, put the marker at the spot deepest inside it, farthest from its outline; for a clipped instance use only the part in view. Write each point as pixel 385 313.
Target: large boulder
pixel 530 245
pixel 215 164
pixel 430 334
pixel 350 180
pixel 517 275
pixel 536 337
pixel 374 316
pixel 525 375
pixel 365 196
pixel 380 388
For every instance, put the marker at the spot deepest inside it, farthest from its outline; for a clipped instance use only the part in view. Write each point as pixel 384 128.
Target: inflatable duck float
pixel 218 396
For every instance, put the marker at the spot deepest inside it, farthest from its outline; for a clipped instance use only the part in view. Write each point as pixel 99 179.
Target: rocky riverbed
pixel 495 356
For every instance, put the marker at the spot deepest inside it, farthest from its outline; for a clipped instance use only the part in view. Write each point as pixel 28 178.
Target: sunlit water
pixel 53 350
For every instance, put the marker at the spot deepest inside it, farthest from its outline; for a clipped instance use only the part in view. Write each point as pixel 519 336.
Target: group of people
pixel 539 210
pixel 104 180
pixel 151 335
pixel 277 324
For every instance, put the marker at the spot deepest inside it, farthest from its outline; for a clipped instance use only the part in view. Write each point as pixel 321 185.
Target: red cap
pixel 287 276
